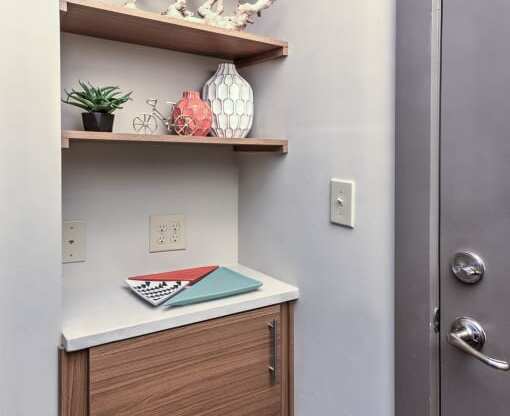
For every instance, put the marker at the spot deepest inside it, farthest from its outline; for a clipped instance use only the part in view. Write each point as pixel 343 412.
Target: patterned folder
pixel 156 292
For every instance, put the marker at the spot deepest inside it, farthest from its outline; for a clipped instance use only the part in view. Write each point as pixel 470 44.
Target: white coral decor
pixel 231 100
pixel 211 13
pixel 130 4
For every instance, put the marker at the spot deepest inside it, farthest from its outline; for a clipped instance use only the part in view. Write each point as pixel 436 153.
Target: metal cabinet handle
pixel 469 336
pixel 273 366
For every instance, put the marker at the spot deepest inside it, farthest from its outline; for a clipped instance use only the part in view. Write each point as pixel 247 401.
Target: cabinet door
pixel 215 368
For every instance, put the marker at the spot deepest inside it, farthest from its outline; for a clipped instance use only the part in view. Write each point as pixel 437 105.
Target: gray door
pixel 475 203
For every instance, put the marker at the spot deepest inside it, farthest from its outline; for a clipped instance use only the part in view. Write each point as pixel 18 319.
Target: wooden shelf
pixel 93 18
pixel 243 145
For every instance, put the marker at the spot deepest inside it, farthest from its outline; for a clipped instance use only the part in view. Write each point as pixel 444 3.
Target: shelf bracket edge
pixel 280 52
pixel 280 148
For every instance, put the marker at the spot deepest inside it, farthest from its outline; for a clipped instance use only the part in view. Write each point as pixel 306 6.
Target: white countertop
pixel 93 318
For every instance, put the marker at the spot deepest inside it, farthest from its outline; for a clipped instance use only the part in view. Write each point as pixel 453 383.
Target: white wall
pixel 333 98
pixel 116 187
pixel 30 208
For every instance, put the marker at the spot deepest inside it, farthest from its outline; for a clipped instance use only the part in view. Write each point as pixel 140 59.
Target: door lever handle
pixel 468 335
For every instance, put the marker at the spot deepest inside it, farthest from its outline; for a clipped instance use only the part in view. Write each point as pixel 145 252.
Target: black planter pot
pixel 98 121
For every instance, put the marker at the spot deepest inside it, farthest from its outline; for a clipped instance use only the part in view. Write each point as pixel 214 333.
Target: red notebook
pixel 189 275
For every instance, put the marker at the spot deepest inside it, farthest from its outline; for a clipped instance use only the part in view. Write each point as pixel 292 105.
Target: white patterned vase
pixel 231 100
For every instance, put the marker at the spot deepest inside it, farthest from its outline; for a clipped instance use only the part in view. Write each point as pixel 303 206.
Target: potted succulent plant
pixel 99 104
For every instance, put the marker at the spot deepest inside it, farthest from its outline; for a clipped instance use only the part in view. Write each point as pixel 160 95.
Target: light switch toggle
pixel 342 194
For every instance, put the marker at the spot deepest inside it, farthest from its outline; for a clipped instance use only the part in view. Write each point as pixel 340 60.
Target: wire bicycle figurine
pixel 146 123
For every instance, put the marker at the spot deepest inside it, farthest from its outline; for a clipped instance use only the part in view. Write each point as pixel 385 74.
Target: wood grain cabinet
pixel 239 365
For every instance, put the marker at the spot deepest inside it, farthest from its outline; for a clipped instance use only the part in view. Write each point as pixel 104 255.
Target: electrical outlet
pixel 74 241
pixel 342 202
pixel 166 233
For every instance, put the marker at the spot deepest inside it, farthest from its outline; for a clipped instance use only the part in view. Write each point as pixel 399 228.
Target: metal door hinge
pixel 436 320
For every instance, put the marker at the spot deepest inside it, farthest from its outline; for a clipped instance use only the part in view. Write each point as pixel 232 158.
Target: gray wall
pixel 333 99
pixel 116 187
pixel 30 269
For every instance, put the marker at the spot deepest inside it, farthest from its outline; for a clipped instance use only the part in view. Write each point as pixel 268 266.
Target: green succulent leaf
pixel 85 87
pixel 107 91
pixel 96 99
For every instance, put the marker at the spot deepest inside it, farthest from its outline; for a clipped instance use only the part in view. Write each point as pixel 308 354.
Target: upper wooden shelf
pixel 94 18
pixel 246 145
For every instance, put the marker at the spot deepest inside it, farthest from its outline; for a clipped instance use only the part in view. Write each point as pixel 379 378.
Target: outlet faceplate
pixel 167 233
pixel 342 202
pixel 74 241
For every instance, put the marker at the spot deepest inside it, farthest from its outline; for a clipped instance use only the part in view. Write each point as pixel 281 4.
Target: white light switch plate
pixel 74 241
pixel 343 202
pixel 167 233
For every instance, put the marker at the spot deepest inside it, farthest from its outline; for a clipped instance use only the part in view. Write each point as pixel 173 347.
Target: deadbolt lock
pixel 468 267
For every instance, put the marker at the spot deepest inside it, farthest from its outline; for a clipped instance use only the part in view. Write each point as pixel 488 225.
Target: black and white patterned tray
pixel 156 292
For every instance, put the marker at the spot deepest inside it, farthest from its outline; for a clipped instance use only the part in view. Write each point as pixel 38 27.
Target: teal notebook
pixel 219 284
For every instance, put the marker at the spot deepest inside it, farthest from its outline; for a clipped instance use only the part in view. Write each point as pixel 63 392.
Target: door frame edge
pixel 417 168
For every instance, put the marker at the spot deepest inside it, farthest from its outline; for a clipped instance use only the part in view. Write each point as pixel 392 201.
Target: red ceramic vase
pixel 191 115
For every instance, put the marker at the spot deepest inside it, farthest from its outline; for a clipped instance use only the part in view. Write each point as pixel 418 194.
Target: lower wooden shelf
pixel 238 144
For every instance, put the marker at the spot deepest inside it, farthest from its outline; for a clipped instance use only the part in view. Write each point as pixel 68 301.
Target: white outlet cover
pixel 343 194
pixel 167 233
pixel 74 234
